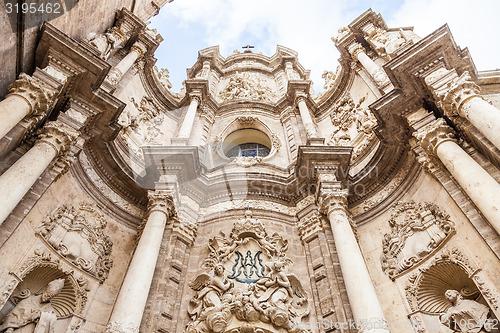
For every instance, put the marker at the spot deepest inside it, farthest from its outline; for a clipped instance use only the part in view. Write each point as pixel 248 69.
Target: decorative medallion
pixel 416 231
pixel 78 235
pixel 246 282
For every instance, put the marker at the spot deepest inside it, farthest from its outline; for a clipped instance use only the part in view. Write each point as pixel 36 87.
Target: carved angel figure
pixel 209 306
pixel 465 315
pixel 281 296
pixel 34 312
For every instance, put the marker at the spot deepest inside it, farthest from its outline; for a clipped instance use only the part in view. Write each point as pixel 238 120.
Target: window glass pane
pixel 250 149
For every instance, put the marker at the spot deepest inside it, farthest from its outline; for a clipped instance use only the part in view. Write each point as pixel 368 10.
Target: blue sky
pixel 188 26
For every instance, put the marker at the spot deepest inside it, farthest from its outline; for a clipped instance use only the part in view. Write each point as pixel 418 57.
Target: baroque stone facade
pixel 245 202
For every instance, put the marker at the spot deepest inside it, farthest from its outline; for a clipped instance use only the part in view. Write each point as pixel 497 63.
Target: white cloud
pixel 307 27
pixel 473 24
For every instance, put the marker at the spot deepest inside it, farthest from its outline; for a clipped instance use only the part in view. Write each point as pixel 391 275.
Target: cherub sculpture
pixel 210 306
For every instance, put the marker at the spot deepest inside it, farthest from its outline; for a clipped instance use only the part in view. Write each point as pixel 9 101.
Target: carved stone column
pixel 187 123
pixel 55 139
pixel 306 118
pixel 357 51
pixel 28 96
pixel 137 51
pixel 437 139
pixel 460 96
pixel 363 299
pixel 131 301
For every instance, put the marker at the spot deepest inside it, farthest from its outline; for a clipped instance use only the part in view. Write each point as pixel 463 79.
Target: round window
pixel 247 143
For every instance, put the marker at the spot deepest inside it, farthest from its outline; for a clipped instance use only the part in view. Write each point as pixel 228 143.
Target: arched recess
pixel 32 278
pixel 256 132
pixel 449 271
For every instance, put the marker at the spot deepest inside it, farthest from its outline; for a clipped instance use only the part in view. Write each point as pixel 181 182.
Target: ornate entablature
pixel 246 283
pixel 417 230
pixel 78 235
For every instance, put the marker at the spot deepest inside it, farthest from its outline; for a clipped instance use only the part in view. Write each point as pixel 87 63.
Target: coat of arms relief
pixel 246 283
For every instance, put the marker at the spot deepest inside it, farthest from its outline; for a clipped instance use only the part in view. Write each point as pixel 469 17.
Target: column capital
pixel 140 48
pixel 195 96
pixel 36 93
pixel 355 49
pixel 333 199
pixel 58 135
pixel 161 201
pixel 300 97
pixel 433 134
pixel 451 90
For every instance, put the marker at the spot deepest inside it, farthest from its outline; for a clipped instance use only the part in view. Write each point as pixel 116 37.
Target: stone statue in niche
pixel 34 313
pixel 465 315
pixel 78 235
pixel 257 293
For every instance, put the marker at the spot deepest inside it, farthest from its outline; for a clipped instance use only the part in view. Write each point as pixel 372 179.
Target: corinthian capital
pixel 161 201
pixel 455 91
pixel 36 93
pixel 355 49
pixel 433 134
pixel 60 136
pixel 140 48
pixel 333 199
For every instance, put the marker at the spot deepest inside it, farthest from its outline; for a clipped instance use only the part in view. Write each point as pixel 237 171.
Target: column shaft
pixel 483 190
pixel 13 109
pixel 484 116
pixel 187 123
pixel 370 66
pixel 18 179
pixel 360 290
pixel 131 301
pixel 306 119
pixel 124 65
pixel 54 139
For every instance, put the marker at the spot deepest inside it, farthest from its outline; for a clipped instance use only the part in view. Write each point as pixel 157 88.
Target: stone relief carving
pixel 451 270
pixel 352 125
pixel 330 78
pixel 342 32
pixel 465 315
pixel 34 310
pixel 143 126
pixel 257 289
pixel 384 42
pixel 247 86
pixel 78 235
pixel 417 229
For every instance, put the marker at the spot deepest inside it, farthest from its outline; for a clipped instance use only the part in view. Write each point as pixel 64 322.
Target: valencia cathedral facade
pixel 246 203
